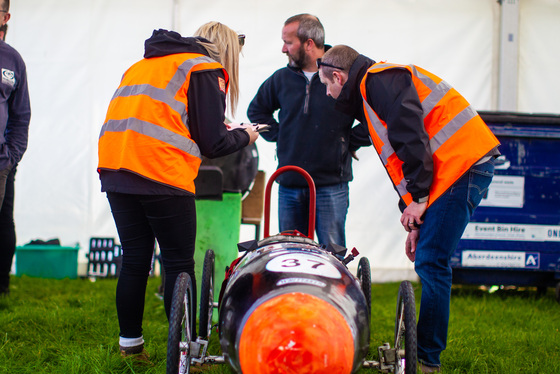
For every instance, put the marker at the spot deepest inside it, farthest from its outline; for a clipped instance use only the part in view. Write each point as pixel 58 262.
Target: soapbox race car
pixel 288 305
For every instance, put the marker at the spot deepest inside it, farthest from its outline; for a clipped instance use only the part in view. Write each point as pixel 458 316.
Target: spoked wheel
pixel 180 326
pixel 405 330
pixel 207 296
pixel 364 277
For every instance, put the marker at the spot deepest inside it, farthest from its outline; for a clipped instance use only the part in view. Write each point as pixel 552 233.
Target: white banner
pixel 512 231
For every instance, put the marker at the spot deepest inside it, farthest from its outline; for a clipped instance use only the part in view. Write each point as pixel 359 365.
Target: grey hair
pixel 309 28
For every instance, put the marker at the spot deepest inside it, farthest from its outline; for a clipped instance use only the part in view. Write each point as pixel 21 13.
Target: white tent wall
pixel 77 50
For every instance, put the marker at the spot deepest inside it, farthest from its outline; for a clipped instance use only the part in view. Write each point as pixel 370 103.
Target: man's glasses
pixel 321 63
pixel 241 38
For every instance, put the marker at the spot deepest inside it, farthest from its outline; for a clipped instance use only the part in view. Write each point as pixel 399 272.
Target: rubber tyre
pixel 405 330
pixel 206 296
pixel 180 322
pixel 364 277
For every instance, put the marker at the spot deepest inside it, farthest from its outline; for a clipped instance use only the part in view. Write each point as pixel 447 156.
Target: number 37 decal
pixel 303 264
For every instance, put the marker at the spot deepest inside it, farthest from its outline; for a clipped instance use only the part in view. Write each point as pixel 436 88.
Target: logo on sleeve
pixel 222 84
pixel 8 77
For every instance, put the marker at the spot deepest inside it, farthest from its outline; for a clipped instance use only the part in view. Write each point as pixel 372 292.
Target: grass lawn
pixel 70 326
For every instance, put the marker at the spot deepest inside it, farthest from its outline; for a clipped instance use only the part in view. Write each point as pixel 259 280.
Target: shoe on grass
pixel 4 290
pixel 428 369
pixel 138 353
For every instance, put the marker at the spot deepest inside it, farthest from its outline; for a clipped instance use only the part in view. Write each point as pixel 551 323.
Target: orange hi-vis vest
pixel 146 129
pixel 458 136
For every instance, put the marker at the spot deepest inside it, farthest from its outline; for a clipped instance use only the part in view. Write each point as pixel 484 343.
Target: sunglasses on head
pixel 241 38
pixel 321 63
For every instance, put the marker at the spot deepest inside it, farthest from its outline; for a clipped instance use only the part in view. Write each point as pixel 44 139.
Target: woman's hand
pixel 253 135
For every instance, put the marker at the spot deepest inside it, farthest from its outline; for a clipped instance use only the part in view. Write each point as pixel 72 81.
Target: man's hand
pixel 354 155
pixel 411 218
pixel 410 245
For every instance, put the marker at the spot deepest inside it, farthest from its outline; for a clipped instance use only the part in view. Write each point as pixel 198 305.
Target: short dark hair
pixel 309 28
pixel 6 5
pixel 339 55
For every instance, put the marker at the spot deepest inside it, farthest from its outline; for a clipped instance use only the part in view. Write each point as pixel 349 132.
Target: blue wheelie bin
pixel 513 237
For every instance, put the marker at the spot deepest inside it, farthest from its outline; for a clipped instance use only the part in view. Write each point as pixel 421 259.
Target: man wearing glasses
pixel 439 155
pixel 309 133
pixel 15 113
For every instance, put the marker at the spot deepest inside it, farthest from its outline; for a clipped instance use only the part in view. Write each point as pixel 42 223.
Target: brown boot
pixel 138 353
pixel 428 369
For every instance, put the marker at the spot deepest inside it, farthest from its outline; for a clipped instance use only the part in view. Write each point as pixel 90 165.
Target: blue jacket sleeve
pixel 19 114
pixel 262 108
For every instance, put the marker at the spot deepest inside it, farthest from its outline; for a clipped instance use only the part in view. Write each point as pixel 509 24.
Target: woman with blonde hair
pixel 225 47
pixel 167 112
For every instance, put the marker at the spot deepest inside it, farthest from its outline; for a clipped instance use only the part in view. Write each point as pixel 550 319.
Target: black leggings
pixel 140 220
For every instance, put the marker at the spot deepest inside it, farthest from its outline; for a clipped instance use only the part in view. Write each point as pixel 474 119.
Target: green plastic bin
pixel 47 261
pixel 217 228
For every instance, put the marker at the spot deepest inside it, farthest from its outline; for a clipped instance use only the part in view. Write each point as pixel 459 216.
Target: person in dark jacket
pixel 15 114
pixel 309 133
pixel 439 155
pixel 167 112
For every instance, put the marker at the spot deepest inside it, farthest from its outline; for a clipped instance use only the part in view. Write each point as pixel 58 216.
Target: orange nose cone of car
pixel 296 333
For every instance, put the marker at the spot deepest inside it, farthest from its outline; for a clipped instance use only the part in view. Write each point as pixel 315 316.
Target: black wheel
pixel 180 326
pixel 405 330
pixel 558 292
pixel 364 277
pixel 207 296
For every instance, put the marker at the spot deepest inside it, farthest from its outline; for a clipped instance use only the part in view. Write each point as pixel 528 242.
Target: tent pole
pixel 508 55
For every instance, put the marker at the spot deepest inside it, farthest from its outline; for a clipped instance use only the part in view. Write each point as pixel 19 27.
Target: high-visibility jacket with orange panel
pixel 146 129
pixel 458 135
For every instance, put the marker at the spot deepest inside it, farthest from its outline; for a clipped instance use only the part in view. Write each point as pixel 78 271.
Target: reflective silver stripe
pixel 401 187
pixel 157 132
pixel 386 150
pixel 451 128
pixel 438 91
pixel 167 94
pixel 435 97
pixel 159 94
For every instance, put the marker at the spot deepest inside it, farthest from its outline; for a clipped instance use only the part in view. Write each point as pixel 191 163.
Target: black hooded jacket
pixel 206 117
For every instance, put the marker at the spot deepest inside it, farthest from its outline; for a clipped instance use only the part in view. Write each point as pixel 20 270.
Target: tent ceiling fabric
pixel 77 50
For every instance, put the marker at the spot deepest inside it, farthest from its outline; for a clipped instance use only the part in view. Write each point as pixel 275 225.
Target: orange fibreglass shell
pixel 296 333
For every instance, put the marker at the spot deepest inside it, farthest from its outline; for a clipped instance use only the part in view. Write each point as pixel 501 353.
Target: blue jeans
pixel 330 214
pixel 140 219
pixel 443 226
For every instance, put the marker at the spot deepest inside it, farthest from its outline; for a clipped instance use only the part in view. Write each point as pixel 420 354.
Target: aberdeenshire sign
pixel 500 259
